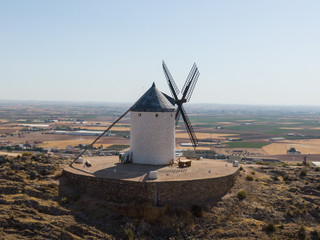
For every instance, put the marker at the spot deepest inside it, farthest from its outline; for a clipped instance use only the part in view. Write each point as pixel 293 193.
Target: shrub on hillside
pixel 281 226
pixel 27 154
pixel 315 235
pixel 269 228
pixel 64 200
pixel 128 234
pixel 289 213
pixel 249 178
pixel 285 177
pixel 303 172
pixel 302 232
pixel 242 194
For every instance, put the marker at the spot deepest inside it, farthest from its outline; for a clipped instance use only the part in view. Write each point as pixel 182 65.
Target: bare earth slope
pixel 30 207
pixel 281 203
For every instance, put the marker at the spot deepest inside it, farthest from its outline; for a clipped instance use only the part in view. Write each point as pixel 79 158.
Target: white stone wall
pixel 152 138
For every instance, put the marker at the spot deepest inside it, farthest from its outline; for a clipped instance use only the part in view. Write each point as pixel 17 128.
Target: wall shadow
pixel 126 171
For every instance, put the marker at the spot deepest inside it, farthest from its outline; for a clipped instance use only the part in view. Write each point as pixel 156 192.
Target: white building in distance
pixel 152 137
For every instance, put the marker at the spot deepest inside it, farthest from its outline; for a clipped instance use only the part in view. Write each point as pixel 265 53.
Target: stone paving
pixel 110 167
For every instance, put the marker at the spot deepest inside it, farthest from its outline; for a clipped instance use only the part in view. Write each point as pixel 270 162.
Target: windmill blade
pixel 172 85
pixel 189 127
pixel 178 117
pixel 193 84
pixel 89 146
pixel 189 78
pixel 190 83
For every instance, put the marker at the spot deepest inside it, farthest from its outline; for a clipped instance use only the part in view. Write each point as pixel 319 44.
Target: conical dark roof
pixel 154 101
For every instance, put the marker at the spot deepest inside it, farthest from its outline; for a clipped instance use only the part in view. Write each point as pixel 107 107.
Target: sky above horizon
pixel 247 52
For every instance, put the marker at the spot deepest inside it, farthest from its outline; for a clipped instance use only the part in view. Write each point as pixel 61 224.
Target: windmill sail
pixel 189 79
pixel 189 127
pixel 172 85
pixel 187 91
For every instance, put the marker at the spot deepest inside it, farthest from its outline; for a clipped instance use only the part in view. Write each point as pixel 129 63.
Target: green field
pixel 117 147
pixel 245 144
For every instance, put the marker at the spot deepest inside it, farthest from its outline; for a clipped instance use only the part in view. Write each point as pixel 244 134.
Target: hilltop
pixel 281 202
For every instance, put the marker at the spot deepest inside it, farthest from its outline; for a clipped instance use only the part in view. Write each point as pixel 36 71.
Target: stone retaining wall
pixel 175 193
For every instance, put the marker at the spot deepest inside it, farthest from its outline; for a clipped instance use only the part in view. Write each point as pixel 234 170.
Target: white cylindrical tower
pixel 152 137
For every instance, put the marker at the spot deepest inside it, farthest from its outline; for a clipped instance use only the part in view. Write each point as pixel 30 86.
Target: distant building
pixel 69 147
pixel 34 125
pixel 315 164
pixel 186 145
pixel 179 152
pixel 81 133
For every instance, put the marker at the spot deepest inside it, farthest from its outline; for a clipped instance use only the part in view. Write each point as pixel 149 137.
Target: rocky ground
pixel 281 202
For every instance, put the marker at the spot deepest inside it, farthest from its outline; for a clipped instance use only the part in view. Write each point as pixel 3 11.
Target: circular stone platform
pixel 206 181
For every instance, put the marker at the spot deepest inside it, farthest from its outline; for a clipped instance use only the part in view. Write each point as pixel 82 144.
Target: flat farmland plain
pixel 221 128
pixel 115 128
pixel 64 143
pixel 180 134
pixel 305 146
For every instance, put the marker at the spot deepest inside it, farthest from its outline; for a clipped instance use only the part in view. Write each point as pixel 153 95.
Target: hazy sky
pixel 248 52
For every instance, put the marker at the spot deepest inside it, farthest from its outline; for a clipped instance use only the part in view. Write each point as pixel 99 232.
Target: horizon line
pixel 107 102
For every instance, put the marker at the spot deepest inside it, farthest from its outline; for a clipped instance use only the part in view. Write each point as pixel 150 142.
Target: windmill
pixel 152 122
pixel 186 91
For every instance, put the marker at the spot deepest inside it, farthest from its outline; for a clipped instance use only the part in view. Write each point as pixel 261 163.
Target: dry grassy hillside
pixel 281 202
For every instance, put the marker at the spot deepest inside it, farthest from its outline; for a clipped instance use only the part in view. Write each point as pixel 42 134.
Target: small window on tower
pixel 139 115
pixel 157 115
pixel 171 114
